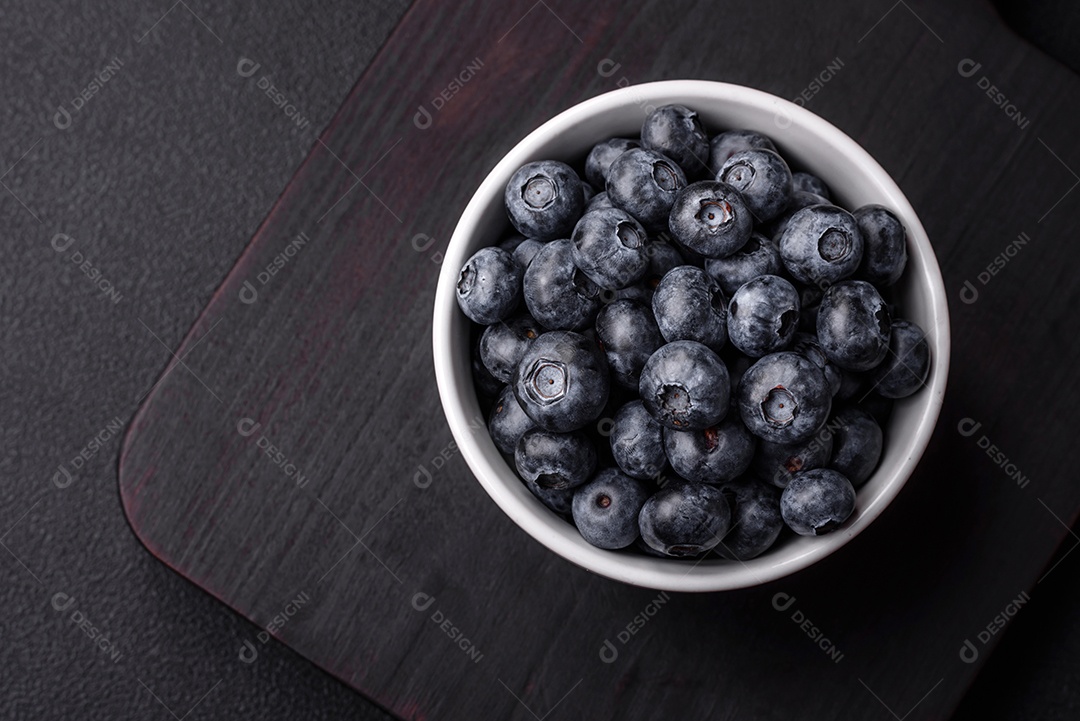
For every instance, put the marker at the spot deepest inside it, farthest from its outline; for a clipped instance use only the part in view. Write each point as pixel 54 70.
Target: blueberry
pixel 809 303
pixel 610 248
pixel 758 256
pixel 559 500
pixel 511 244
pixel 508 421
pixel 777 463
pixel 600 200
pixel 808 183
pixel 763 315
pixel 629 335
pixel 907 364
pixel 756 522
pixel 821 245
pixel 587 193
pixel 648 550
pixel 737 366
pixel 489 286
pixel 685 386
pixel 638 292
pixel 689 305
pixel 554 460
pixel 601 157
pixel 807 345
pixel 804 199
pixel 685 519
pixel 878 406
pixel 644 184
pixel 817 501
pixel 526 251
pixel 716 454
pixel 557 293
pixel 487 385
pixel 676 131
pixel 799 199
pixel 606 509
pixel 762 177
pixel 637 442
pixel 689 255
pixel 662 258
pixel 504 343
pixel 724 145
pixel 562 381
pixel 850 385
pixel 884 245
pixel 784 398
pixel 544 199
pixel 857 445
pixel 710 218
pixel 853 325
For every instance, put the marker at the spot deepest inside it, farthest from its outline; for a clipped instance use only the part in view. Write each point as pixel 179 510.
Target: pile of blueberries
pixel 694 347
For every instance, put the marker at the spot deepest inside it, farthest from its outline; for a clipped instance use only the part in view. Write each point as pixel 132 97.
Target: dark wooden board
pixel 330 357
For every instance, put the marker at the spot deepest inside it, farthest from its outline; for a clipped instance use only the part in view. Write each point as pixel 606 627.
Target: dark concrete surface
pixel 154 188
pixel 160 180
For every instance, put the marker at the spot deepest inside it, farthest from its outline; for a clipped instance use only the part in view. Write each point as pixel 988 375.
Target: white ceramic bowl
pixel 805 140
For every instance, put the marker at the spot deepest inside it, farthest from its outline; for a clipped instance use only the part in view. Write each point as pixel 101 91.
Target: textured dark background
pixel 161 179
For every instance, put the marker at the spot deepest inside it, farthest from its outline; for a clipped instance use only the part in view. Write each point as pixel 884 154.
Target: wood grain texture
pixel 283 462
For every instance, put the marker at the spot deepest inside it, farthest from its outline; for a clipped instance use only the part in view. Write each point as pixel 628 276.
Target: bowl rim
pixel 534 518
